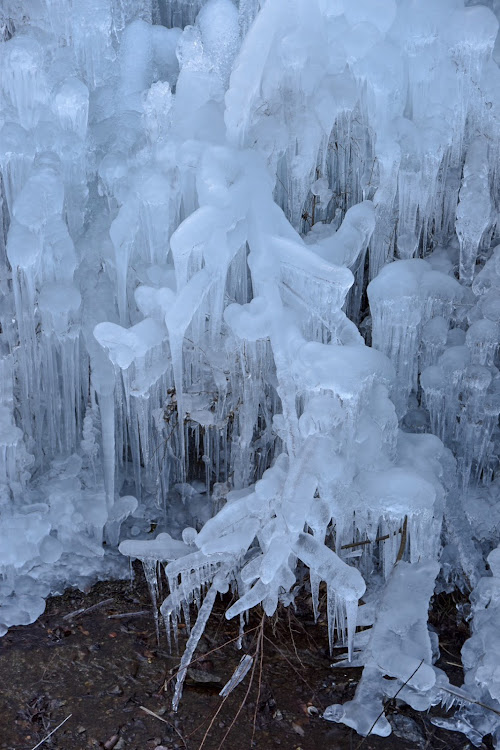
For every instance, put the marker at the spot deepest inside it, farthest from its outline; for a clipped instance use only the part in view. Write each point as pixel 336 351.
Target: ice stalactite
pixel 474 212
pixel 14 459
pixel 403 298
pixel 195 198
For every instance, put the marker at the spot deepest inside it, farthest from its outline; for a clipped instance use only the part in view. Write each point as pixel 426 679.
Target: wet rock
pixel 298 729
pixel 407 729
pixel 201 676
pixel 111 743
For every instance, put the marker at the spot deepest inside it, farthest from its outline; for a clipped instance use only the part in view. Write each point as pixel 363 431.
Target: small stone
pixel 407 729
pixel 298 729
pixel 80 730
pixel 201 676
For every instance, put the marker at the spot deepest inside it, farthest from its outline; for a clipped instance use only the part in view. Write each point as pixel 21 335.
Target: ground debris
pixel 113 686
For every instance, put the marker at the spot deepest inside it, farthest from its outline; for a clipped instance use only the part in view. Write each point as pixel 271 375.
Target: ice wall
pixel 250 293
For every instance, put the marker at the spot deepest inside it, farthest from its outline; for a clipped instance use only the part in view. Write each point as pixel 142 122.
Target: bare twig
pixel 53 732
pixel 383 710
pixel 46 668
pixel 299 675
pixel 86 610
pixel 304 632
pixel 260 688
pixel 165 721
pixel 211 722
pixel 204 656
pixel 293 640
pixel 431 737
pixel 369 541
pixel 260 643
pixel 260 627
pixel 460 695
pixel 443 648
pixel 152 713
pixel 403 540
pixel 126 615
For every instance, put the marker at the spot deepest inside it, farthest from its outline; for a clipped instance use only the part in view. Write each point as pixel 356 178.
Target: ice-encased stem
pixel 196 633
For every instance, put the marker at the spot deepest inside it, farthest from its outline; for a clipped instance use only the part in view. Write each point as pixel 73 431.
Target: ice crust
pixel 250 298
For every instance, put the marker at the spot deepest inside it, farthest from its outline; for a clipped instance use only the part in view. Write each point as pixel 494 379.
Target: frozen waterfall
pixel 250 294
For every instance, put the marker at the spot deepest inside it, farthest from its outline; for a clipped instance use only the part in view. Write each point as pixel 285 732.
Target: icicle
pixel 315 582
pixel 151 574
pixel 351 611
pixel 331 610
pixel 474 209
pixel 241 632
pixel 196 633
pixel 238 676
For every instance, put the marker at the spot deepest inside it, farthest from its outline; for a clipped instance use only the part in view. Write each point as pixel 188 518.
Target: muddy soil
pixel 104 669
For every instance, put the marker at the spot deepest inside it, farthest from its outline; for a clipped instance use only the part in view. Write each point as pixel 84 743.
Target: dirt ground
pixel 104 669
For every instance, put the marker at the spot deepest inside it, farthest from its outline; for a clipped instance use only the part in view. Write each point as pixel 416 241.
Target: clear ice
pixel 250 299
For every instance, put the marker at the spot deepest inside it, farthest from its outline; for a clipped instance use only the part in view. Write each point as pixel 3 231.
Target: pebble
pixel 406 728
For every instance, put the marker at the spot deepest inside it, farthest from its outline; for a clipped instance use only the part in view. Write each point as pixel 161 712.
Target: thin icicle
pixel 238 675
pixel 196 633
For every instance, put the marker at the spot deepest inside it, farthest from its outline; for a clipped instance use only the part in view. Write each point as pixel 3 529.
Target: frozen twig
pixel 238 676
pixel 259 647
pixel 385 705
pixel 204 656
pixel 86 610
pixel 461 695
pixel 403 541
pixel 126 615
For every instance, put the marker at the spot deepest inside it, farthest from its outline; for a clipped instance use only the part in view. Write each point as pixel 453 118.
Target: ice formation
pixel 250 298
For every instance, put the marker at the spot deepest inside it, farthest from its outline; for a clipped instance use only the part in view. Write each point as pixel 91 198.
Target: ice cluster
pixel 250 316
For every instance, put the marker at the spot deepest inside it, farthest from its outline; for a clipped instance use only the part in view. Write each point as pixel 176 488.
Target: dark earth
pixel 103 668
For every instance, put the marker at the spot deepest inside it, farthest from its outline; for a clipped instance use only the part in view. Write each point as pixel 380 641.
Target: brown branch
pixel 240 708
pixel 369 541
pixel 160 718
pixel 403 540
